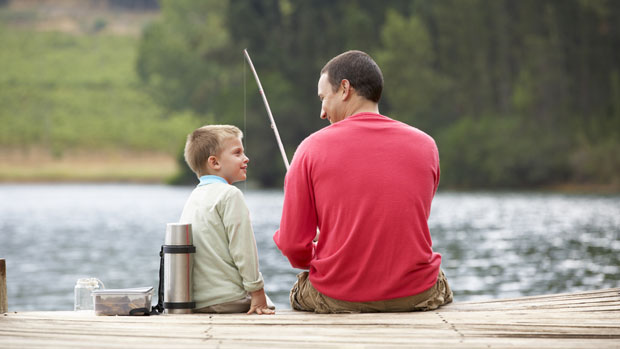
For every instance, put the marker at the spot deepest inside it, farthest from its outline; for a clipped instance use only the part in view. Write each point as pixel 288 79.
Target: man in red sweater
pixel 366 182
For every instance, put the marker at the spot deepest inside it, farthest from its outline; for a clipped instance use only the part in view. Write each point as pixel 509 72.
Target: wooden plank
pixel 585 301
pixel 4 303
pixel 584 294
pixel 556 321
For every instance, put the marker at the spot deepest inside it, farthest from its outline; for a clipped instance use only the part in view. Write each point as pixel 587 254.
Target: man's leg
pixel 440 294
pixel 302 296
pixel 305 297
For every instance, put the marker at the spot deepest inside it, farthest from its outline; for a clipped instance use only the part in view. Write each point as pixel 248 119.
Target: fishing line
pixel 245 111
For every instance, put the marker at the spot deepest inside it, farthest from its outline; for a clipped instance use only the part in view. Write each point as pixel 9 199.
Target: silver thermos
pixel 178 252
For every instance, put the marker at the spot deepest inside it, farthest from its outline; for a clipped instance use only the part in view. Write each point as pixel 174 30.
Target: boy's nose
pixel 247 159
pixel 323 114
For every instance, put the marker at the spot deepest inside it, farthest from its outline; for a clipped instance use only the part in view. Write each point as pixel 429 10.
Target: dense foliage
pixel 516 93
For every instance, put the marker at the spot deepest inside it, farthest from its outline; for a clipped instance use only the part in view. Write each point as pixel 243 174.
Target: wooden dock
pixel 575 320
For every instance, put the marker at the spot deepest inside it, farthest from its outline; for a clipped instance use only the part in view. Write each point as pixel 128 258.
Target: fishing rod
pixel 273 123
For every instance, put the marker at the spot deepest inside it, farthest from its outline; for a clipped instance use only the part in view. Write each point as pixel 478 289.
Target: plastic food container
pixel 125 301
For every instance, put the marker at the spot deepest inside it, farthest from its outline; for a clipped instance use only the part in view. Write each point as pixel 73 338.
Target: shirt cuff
pixel 254 285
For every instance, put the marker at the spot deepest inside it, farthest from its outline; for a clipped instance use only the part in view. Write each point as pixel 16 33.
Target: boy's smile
pixel 232 160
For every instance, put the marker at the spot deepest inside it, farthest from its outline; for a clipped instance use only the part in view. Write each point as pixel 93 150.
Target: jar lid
pixel 90 282
pixel 125 291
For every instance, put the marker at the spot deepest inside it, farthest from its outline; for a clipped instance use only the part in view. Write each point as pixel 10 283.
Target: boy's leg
pixel 270 304
pixel 237 306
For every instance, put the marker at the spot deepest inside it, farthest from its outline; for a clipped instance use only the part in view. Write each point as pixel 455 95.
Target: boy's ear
pixel 213 163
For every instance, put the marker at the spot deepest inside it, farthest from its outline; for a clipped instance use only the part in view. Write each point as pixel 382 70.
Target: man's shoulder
pixel 350 129
pixel 314 138
pixel 384 122
pixel 412 130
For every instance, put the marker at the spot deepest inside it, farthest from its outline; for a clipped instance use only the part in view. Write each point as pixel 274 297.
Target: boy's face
pixel 232 160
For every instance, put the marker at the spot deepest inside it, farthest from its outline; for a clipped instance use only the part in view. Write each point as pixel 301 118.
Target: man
pixel 366 182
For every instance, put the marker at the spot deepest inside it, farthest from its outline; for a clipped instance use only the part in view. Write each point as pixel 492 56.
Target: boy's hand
pixel 258 304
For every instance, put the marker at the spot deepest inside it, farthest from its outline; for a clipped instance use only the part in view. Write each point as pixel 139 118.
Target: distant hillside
pixel 69 95
pixel 121 17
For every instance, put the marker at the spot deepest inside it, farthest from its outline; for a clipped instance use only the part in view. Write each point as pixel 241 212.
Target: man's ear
pixel 213 163
pixel 347 90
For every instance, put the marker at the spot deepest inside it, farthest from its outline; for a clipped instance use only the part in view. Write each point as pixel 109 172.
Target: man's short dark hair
pixel 360 69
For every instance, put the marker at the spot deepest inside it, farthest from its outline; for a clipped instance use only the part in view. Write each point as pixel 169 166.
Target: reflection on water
pixel 505 245
pixel 494 245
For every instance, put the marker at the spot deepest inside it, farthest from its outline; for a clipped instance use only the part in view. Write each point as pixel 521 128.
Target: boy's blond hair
pixel 205 142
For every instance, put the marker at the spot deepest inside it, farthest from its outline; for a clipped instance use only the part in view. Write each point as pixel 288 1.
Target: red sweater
pixel 367 183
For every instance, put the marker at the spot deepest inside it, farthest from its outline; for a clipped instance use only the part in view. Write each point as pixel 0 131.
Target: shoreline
pixel 37 166
pixel 137 176
pixel 99 167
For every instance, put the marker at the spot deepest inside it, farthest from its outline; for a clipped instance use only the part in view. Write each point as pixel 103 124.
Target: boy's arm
pixel 241 242
pixel 298 227
pixel 259 303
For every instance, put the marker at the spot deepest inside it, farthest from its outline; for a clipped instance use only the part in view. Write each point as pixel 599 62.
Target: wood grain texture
pixel 4 302
pixel 575 320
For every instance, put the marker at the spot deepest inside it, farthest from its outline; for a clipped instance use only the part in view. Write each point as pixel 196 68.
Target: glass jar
pixel 83 289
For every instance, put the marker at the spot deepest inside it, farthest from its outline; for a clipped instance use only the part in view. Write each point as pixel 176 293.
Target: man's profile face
pixel 331 101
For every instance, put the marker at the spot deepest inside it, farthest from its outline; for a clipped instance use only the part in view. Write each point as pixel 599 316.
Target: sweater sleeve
pixel 298 225
pixel 241 241
pixel 437 173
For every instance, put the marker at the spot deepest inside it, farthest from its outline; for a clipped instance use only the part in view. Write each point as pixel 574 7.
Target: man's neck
pixel 361 105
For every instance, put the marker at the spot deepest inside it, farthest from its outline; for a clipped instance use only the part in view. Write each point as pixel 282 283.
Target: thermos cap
pixel 178 234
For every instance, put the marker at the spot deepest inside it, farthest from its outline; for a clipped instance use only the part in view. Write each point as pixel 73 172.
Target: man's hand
pixel 258 304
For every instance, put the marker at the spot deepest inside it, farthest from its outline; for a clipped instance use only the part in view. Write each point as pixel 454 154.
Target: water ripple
pixel 493 244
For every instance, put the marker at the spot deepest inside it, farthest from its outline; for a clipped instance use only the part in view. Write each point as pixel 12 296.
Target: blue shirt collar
pixel 209 179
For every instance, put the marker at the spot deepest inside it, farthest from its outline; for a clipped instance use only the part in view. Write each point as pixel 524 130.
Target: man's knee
pixel 440 294
pixel 299 297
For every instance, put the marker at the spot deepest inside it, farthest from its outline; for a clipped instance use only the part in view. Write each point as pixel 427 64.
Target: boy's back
pixel 226 262
pixel 226 276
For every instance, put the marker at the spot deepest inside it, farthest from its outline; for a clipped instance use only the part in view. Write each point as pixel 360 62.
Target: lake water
pixel 494 245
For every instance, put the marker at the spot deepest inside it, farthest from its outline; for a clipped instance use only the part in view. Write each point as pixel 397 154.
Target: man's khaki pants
pixel 305 297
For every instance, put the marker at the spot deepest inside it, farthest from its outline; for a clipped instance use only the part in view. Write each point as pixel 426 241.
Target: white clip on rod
pixel 273 123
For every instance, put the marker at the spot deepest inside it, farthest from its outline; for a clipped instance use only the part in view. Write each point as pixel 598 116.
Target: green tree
pixel 413 88
pixel 185 59
pixel 536 81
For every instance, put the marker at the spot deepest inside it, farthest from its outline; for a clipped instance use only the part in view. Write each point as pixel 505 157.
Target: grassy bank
pixel 39 166
pixel 63 95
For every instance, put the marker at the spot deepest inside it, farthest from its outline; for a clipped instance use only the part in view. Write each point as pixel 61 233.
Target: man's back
pixel 367 182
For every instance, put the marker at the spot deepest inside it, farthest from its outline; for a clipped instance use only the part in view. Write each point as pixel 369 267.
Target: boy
pixel 226 276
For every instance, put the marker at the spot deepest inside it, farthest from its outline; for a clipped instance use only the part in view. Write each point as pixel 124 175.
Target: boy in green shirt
pixel 226 275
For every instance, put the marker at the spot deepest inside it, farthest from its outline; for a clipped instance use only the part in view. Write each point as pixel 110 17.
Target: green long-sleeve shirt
pixel 226 259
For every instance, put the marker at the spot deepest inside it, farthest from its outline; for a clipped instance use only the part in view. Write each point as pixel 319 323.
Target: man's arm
pixel 298 226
